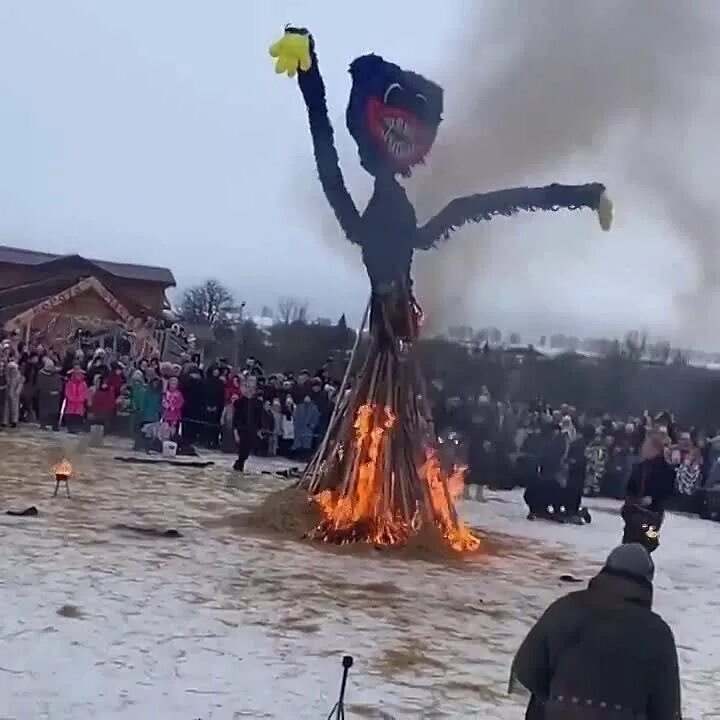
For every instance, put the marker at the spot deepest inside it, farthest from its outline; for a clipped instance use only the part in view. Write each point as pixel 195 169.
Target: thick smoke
pixel 550 90
pixel 597 87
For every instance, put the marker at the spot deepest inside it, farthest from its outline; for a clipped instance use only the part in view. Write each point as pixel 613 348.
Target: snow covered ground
pixel 226 625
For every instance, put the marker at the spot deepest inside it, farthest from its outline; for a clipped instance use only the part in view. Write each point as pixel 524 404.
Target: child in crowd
pixel 172 405
pixel 76 398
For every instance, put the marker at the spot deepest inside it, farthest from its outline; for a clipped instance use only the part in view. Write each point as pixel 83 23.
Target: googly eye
pixel 391 87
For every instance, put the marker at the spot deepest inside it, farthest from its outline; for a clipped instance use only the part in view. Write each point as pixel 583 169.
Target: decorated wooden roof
pixel 20 302
pixel 127 271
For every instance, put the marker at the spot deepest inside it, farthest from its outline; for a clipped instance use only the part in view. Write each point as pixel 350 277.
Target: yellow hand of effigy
pixel 605 211
pixel 292 52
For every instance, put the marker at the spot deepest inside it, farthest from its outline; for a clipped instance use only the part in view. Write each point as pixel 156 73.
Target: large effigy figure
pixel 376 470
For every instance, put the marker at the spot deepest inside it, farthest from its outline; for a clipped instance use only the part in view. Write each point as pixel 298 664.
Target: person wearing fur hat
pixel 602 652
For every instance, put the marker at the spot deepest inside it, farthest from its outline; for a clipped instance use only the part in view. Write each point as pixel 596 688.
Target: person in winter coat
pixel 602 653
pixel 214 405
pixel 152 401
pixel 595 464
pixel 101 408
pixel 15 381
pixel 545 496
pixel 192 387
pixel 576 472
pixel 232 390
pixel 123 413
pixel 322 402
pixel 137 392
pixel 688 479
pixel 3 391
pixel 287 438
pixel 97 367
pixel 116 380
pixel 30 369
pixel 76 397
pixel 172 404
pixel 247 419
pixel 49 394
pixel 267 429
pixel 651 485
pixel 274 439
pixel 305 420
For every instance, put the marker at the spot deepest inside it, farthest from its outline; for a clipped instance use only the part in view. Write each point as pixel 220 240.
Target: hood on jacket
pixel 620 587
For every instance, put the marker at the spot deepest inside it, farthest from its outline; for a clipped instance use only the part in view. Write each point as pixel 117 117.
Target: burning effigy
pixel 376 477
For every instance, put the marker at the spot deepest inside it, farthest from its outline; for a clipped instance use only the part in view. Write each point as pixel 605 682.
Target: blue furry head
pixel 393 115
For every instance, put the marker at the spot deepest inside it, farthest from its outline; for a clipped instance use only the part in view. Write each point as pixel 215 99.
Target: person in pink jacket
pixel 76 397
pixel 172 405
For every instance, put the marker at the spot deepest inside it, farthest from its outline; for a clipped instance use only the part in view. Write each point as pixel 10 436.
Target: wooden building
pixel 46 298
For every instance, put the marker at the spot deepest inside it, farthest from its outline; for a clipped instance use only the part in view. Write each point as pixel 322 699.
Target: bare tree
pixel 208 304
pixel 634 345
pixel 292 310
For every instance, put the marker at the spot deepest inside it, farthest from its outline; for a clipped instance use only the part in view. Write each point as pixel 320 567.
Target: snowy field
pixel 225 625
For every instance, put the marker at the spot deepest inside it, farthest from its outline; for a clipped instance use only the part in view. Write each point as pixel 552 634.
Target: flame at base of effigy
pixel 377 477
pixel 385 502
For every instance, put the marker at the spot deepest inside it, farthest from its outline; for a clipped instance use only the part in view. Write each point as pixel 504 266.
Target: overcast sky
pixel 157 132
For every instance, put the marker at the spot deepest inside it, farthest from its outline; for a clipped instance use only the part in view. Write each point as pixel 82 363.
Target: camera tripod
pixel 338 712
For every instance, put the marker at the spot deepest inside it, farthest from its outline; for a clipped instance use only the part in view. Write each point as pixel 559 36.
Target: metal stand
pixel 338 712
pixel 62 479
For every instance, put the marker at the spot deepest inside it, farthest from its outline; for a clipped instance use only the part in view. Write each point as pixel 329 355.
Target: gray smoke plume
pixel 587 86
pixel 551 90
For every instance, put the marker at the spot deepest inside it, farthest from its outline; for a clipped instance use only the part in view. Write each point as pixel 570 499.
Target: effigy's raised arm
pixel 295 54
pixel 485 206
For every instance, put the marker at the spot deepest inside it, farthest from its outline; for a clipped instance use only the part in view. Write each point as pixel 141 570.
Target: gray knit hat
pixel 631 559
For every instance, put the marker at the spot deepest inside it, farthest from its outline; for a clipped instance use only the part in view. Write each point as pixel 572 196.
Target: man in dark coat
pixel 651 484
pixel 544 497
pixel 602 653
pixel 247 423
pixel 576 468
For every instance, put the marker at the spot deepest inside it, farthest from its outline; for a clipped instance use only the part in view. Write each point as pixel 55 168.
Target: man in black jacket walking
pixel 247 417
pixel 651 484
pixel 602 653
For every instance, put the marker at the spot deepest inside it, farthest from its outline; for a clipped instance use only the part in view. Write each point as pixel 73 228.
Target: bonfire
pixel 377 476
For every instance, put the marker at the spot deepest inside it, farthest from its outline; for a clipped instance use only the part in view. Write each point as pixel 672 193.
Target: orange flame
pixel 365 509
pixel 63 468
pixel 443 494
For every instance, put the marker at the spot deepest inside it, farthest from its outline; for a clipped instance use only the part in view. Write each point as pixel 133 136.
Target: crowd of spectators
pixel 220 407
pixel 154 401
pixel 534 445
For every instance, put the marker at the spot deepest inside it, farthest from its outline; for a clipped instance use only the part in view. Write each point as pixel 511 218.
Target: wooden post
pixel 403 487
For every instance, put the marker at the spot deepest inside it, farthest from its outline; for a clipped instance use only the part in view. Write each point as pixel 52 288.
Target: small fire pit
pixel 63 472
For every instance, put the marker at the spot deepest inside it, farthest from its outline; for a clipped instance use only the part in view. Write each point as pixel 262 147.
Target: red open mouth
pixel 398 132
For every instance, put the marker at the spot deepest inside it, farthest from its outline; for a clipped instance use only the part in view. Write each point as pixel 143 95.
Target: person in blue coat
pixel 305 420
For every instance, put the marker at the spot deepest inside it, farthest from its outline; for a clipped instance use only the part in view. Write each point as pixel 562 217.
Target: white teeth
pixel 399 136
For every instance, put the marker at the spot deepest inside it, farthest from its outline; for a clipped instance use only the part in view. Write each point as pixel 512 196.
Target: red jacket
pixel 115 383
pixel 232 390
pixel 76 393
pixel 103 401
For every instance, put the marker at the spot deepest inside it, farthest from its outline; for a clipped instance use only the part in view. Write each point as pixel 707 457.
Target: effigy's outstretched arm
pixel 295 53
pixel 484 206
